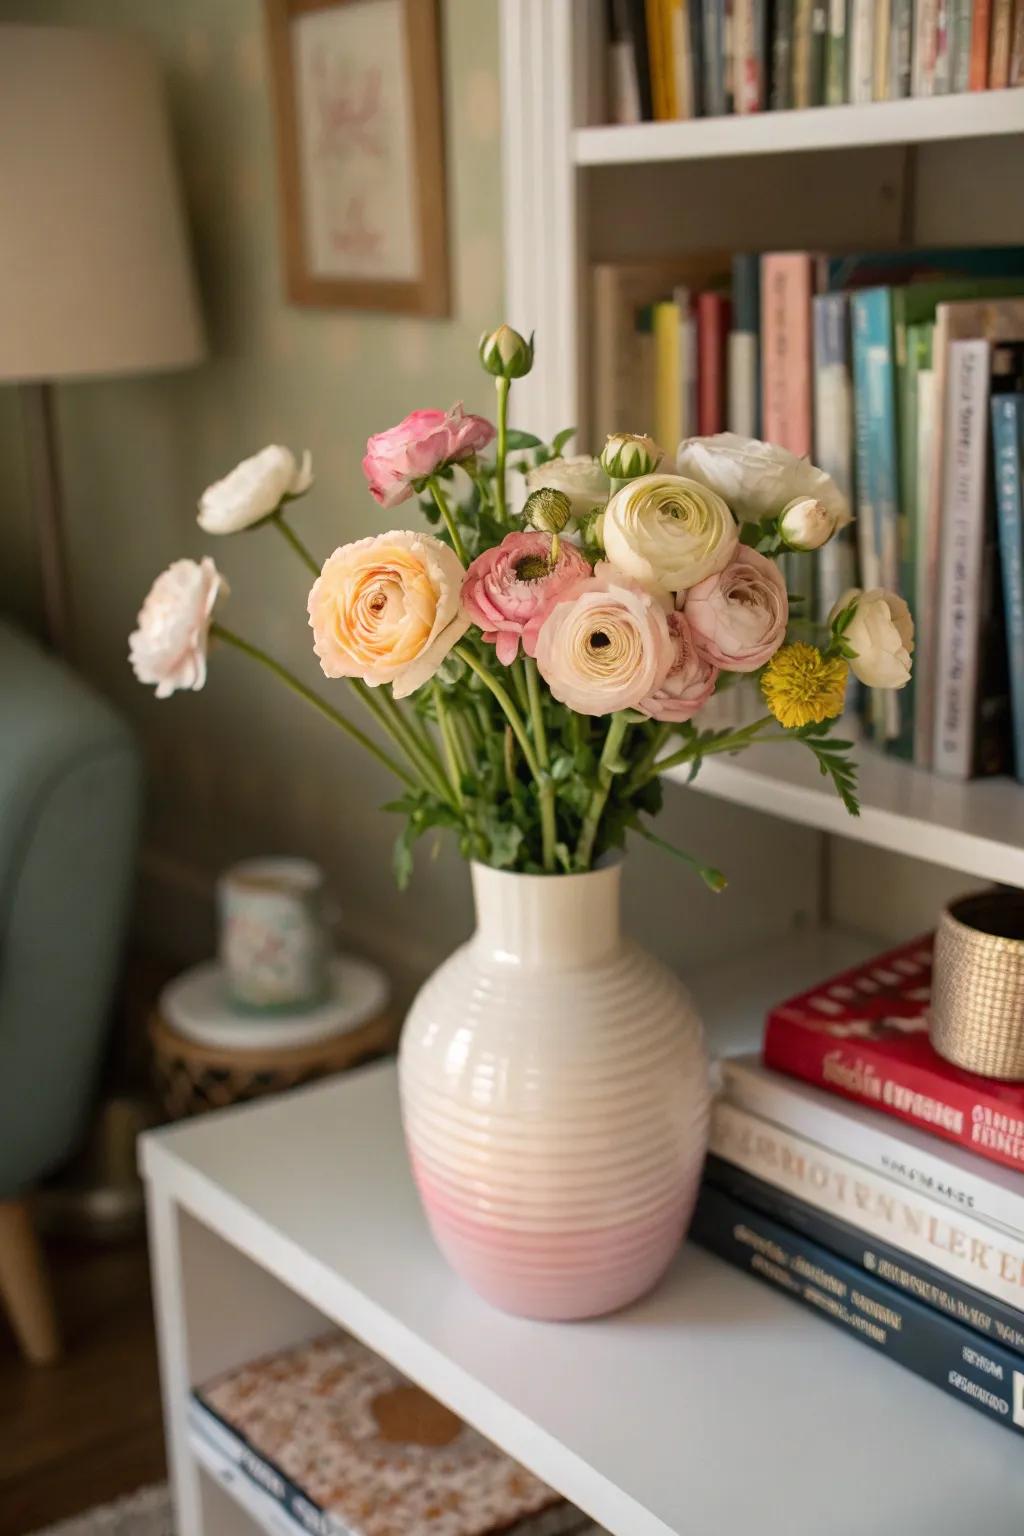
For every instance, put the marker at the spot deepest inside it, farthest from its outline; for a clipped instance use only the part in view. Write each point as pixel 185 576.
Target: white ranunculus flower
pixel 169 646
pixel 579 477
pixel 758 479
pixel 667 531
pixel 253 490
pixel 880 634
pixel 805 523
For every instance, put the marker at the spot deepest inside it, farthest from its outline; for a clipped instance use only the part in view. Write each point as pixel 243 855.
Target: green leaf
pixel 561 767
pixel 517 440
pixel 560 439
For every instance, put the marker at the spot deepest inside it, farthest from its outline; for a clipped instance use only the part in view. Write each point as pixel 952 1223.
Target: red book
pixel 981 24
pixel 864 1035
pixel 787 286
pixel 712 330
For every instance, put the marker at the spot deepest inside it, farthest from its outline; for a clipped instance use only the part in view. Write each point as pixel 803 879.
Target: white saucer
pixel 198 1006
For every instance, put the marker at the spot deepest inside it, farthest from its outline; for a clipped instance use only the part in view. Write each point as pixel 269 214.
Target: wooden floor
pixel 87 1429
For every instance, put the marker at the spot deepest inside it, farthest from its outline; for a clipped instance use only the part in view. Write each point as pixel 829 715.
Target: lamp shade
pixel 95 275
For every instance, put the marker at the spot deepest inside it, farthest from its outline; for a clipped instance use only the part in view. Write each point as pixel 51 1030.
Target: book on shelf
pixel 926 1282
pixel 1008 475
pixel 981 28
pixel 973 1369
pixel 330 1438
pixel 922 79
pixel 781 90
pixel 986 1258
pixel 712 332
pixel 864 1036
pixel 901 48
pixel 881 50
pixel 743 365
pixel 629 78
pixel 836 53
pixel 1000 46
pixel 833 437
pixel 787 284
pixel 862 51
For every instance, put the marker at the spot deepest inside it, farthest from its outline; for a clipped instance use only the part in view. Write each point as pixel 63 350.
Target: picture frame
pixel 358 102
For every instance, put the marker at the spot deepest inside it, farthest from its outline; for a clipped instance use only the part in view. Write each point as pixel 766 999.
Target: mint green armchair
pixel 70 785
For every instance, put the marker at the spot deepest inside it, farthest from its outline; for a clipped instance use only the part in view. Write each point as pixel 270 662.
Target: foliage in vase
pixel 532 664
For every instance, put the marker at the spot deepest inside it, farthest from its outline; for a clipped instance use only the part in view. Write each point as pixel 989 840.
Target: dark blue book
pixel 872 269
pixel 934 1347
pixel 1008 467
pixel 915 1277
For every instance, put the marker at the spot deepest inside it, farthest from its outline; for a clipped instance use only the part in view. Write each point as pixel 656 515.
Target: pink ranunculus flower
pixel 386 609
pixel 169 646
pixel 419 446
pixel 738 616
pixel 510 589
pixel 690 681
pixel 605 645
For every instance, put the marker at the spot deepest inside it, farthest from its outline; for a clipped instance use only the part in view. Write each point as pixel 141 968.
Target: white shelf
pixel 714 1405
pixel 977 827
pixel 979 114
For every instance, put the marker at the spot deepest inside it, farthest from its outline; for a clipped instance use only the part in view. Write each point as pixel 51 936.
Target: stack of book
pixel 902 374
pixel 707 58
pixel 867 1178
pixel 327 1437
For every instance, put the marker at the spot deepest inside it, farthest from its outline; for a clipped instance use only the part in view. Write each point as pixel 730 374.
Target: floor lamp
pixel 95 275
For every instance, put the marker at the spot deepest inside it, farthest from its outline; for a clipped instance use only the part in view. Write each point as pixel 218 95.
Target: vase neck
pixel 552 922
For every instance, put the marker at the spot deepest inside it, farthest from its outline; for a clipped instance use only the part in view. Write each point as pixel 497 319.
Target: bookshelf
pixel 942 170
pixel 637 1418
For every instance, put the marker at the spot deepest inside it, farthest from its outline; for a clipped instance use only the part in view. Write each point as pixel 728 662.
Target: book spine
pixel 901 48
pixel 623 86
pixel 924 589
pixel 781 98
pixel 819 50
pixel 942 41
pixel 745 79
pixel 923 1097
pixel 1001 43
pixel 668 400
pixel 934 1347
pixel 714 55
pixel 637 12
pixel 963 513
pixel 836 65
pixel 1008 462
pixel 695 22
pixel 833 437
pixel 680 61
pixel 862 51
pixel 261 1487
pixel 981 23
pixel 712 324
pixel 961 21
pixel 802 31
pixel 657 62
pixel 925 1282
pixel 980 1256
pixel 881 39
pixel 922 80
pixel 741 371
pixel 824 1119
pixel 786 351
pixel 1017 45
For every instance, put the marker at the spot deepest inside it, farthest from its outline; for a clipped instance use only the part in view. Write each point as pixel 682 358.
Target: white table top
pixel 715 1407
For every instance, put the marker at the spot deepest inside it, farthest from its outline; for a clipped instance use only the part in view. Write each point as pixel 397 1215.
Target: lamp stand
pixel 40 413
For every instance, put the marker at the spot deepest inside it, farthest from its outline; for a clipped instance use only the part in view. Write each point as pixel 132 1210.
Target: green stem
pixel 441 503
pixel 734 742
pixel 389 715
pixel 451 755
pixel 253 651
pixel 713 878
pixel 607 767
pixel 512 714
pixel 518 675
pixel 501 450
pixel 545 787
pixel 646 760
pixel 292 538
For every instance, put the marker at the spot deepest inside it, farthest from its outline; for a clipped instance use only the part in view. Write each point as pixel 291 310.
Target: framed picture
pixel 357 86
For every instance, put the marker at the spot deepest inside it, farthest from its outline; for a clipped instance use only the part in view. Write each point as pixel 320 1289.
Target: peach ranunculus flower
pixel 606 645
pixel 387 609
pixel 690 681
pixel 739 616
pixel 169 646
pixel 399 459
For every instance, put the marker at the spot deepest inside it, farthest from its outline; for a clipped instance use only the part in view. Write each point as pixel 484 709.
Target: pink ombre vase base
pixel 555 1098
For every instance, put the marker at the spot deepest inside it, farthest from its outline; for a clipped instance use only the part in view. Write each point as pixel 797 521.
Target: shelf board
pixel 714 1405
pixel 977 827
pixel 978 114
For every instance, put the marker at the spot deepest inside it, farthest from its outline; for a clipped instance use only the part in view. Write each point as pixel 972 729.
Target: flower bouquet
pixel 530 669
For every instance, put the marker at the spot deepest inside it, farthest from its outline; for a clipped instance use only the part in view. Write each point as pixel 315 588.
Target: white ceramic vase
pixel 555 1098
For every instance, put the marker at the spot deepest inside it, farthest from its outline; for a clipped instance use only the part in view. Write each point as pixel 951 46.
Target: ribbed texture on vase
pixel 556 1119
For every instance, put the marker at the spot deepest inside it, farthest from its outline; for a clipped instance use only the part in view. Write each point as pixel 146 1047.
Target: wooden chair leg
pixel 25 1284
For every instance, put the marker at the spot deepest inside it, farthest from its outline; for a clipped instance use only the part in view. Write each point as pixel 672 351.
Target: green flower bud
pixel 547 510
pixel 505 353
pixel 626 455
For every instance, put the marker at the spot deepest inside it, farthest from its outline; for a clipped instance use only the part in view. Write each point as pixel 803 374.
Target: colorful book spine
pixel 924 589
pixel 659 63
pixel 881 39
pixel 981 1256
pixel 961 23
pixel 668 373
pixel 623 83
pixel 787 286
pixel 803 92
pixel 743 411
pixel 952 1357
pixel 1008 464
pixel 637 24
pixel 713 12
pixel 712 329
pixel 681 57
pixel 923 71
pixel 942 46
pixel 747 97
pixel 261 1488
pixel 913 344
pixel 836 61
pixel 782 56
pixel 1017 45
pixel 862 51
pixel 1001 44
pixel 981 26
pixel 925 1282
pixel 963 518
pixel 901 48
pixel 909 1156
pixel 833 437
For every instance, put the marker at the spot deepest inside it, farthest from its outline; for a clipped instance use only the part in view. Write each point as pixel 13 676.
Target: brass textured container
pixel 977 1012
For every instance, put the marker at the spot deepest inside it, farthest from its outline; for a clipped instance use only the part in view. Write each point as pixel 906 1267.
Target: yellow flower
pixel 801 685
